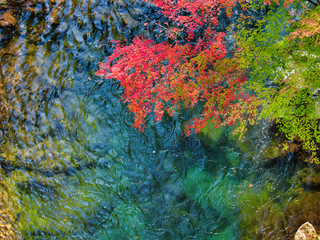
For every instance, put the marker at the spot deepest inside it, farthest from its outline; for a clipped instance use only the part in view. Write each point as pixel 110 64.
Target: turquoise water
pixel 73 168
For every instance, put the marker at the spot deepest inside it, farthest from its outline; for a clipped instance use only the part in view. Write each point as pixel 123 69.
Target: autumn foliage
pixel 164 77
pixel 192 68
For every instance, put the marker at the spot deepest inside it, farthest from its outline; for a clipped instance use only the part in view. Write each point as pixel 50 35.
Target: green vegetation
pixel 271 73
pixel 54 181
pixel 283 57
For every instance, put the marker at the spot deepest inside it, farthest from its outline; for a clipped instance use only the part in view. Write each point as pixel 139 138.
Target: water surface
pixel 73 168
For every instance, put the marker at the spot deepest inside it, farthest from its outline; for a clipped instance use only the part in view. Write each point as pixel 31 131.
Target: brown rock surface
pixel 6 19
pixel 306 232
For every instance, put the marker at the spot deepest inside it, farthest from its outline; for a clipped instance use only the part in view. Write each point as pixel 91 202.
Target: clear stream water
pixel 73 168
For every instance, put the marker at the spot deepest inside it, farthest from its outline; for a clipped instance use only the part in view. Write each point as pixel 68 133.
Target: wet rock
pixel 16 2
pixel 7 217
pixel 304 208
pixel 309 178
pixel 272 151
pixel 293 147
pixel 3 4
pixel 306 232
pixel 260 216
pixel 54 16
pixel 211 136
pixel 7 20
pixel 6 4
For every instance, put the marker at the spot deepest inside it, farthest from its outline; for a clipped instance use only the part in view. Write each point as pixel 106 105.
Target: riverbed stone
pixel 7 19
pixel 7 215
pixel 304 208
pixel 260 216
pixel 3 4
pixel 306 232
pixel 211 191
pixel 7 4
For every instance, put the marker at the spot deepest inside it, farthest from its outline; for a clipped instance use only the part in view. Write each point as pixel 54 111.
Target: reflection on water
pixel 71 165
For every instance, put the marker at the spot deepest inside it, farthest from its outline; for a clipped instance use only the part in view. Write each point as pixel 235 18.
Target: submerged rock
pixel 7 4
pixel 211 191
pixel 260 216
pixel 7 217
pixel 306 232
pixel 212 136
pixel 7 20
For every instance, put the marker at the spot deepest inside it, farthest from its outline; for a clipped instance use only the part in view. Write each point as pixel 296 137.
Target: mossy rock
pixel 306 232
pixel 260 216
pixel 247 143
pixel 272 151
pixel 245 147
pixel 244 144
pixel 211 135
pixel 304 208
pixel 210 191
pixel 233 156
pixel 8 223
pixel 268 152
pixel 310 177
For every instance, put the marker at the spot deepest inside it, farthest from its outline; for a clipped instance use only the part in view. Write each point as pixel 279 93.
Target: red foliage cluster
pixel 197 13
pixel 159 77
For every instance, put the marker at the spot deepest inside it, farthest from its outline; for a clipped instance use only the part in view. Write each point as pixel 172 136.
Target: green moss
pixel 212 136
pixel 273 150
pixel 60 205
pixel 260 216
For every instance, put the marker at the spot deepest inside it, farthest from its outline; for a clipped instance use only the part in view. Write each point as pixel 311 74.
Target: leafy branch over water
pixel 272 73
